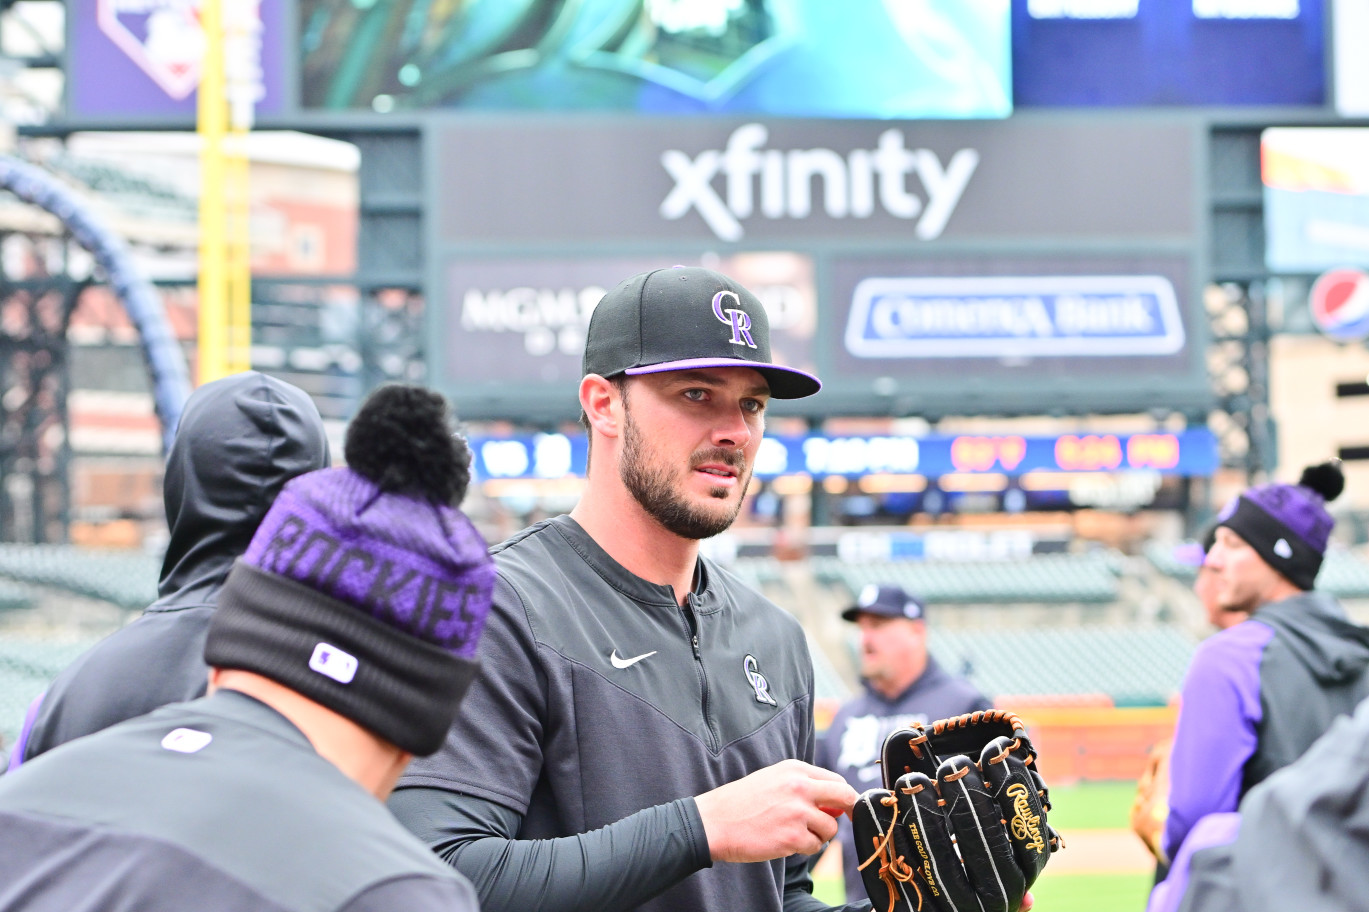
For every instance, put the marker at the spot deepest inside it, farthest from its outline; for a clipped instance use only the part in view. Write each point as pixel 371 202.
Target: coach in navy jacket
pixel 903 685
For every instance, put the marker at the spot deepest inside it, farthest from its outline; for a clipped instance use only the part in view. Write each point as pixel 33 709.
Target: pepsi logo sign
pixel 1339 302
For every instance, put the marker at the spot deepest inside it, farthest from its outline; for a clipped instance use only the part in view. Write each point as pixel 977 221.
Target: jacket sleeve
pixel 416 894
pixel 798 889
pixel 1216 832
pixel 17 753
pixel 1216 732
pixel 618 866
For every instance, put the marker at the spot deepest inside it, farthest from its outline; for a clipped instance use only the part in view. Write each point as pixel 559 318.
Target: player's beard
pixel 653 487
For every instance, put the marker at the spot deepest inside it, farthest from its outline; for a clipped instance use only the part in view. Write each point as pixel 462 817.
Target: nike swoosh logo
pixel 619 662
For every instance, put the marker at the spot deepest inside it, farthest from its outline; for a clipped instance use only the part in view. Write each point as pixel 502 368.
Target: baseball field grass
pixel 1100 870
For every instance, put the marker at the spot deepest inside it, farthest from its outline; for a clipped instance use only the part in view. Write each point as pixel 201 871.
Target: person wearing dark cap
pixel 1258 693
pixel 240 440
pixel 342 644
pixel 638 737
pixel 903 685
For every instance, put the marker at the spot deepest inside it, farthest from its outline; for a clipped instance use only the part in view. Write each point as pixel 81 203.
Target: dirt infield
pixel 1101 852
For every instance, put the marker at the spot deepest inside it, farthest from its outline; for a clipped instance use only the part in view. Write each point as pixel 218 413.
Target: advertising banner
pixel 627 180
pixel 1316 197
pixel 137 61
pixel 1011 267
pixel 1190 452
pixel 1014 317
pixel 515 328
pixel 1015 334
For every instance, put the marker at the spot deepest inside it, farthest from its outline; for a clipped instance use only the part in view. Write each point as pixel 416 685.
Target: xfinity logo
pixel 850 186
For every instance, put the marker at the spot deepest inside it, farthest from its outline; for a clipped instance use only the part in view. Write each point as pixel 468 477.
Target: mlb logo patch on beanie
pixel 365 588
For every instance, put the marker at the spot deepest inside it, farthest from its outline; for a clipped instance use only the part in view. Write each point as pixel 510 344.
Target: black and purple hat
pixel 365 589
pixel 1288 525
pixel 682 318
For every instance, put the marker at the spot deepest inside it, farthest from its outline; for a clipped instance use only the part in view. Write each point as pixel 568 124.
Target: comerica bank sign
pixel 1001 316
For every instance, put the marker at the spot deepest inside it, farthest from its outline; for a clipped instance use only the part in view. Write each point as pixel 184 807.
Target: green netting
pixel 27 664
pixel 1134 665
pixel 125 578
pixel 1163 558
pixel 1050 578
pixel 1344 574
pixel 756 572
pixel 14 595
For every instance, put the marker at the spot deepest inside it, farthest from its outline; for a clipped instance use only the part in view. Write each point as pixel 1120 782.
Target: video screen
pixel 1120 53
pixel 802 58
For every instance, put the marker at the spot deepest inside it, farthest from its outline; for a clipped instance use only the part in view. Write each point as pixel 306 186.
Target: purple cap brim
pixel 1190 553
pixel 785 382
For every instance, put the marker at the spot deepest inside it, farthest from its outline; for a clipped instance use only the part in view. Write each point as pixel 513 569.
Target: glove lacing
pixel 893 870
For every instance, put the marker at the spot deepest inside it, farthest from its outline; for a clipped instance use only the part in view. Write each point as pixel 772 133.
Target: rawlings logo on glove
pixel 960 825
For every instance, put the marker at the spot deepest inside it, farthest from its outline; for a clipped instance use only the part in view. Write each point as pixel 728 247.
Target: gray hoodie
pixel 239 441
pixel 1301 838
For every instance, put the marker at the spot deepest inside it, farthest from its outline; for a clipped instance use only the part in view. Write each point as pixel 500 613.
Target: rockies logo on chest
pixel 758 683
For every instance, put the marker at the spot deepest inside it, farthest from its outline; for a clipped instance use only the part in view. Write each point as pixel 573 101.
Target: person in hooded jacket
pixel 1259 693
pixel 1301 837
pixel 240 439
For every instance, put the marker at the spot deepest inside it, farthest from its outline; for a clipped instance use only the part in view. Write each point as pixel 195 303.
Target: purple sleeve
pixel 1213 830
pixel 20 745
pixel 1215 735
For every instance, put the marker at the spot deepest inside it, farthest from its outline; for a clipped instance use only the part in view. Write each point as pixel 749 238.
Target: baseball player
pixel 1151 805
pixel 1258 693
pixel 341 646
pixel 904 686
pixel 1299 838
pixel 239 441
pixel 640 732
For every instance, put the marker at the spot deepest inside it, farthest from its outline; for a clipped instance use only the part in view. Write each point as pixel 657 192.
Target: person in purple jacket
pixel 1258 694
pixel 904 685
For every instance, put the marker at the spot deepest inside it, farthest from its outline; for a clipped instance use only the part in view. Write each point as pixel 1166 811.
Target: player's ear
pixel 601 400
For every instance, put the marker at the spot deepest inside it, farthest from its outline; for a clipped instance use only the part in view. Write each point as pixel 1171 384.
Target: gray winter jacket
pixel 239 441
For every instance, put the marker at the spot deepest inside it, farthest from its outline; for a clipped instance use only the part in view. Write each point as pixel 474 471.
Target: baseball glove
pixel 960 825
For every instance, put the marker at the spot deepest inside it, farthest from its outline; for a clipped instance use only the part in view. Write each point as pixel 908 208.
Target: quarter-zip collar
pixel 705 600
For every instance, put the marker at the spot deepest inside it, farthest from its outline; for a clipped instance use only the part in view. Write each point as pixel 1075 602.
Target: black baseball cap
pixel 885 601
pixel 686 317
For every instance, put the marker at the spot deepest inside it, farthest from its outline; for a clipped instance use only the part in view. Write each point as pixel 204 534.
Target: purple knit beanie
pixel 1288 525
pixel 365 588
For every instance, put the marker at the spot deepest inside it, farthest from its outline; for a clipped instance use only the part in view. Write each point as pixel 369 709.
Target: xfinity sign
pixel 1026 316
pixel 498 183
pixel 776 183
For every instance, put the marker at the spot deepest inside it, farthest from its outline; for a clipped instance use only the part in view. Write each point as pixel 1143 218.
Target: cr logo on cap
pixel 738 319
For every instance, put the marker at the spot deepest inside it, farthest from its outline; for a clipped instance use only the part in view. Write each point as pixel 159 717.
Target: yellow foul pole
pixel 242 43
pixel 229 87
pixel 212 123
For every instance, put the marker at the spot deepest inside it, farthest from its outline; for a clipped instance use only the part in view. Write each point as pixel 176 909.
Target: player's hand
pixel 781 810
